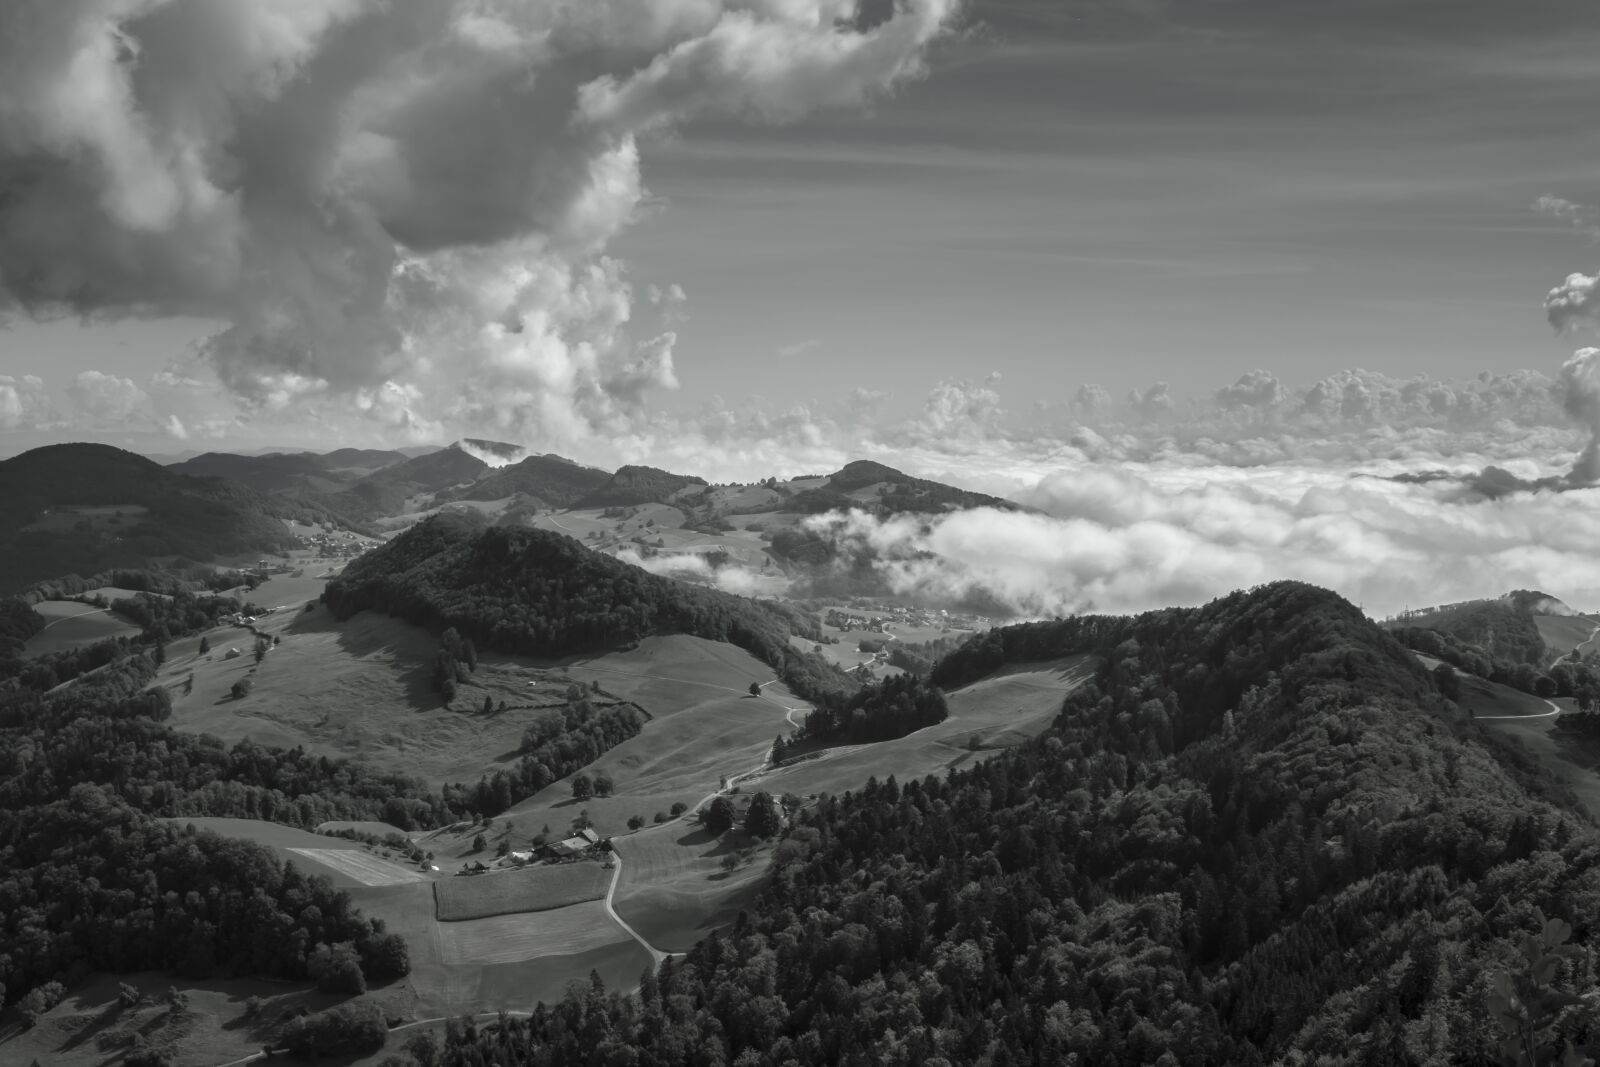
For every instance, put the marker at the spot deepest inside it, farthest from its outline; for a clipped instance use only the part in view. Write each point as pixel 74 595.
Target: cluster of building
pixel 337 544
pixel 579 844
pixel 896 617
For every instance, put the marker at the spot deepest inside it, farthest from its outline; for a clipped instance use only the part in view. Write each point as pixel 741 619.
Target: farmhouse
pixel 233 653
pixel 577 845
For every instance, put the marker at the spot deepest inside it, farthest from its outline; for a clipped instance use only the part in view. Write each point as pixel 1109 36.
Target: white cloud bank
pixel 1120 540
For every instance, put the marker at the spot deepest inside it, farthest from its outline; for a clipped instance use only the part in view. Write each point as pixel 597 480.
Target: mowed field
pixel 69 624
pixel 674 890
pixel 1563 633
pixel 358 689
pixel 999 711
pixel 536 888
pixel 346 863
pixel 704 724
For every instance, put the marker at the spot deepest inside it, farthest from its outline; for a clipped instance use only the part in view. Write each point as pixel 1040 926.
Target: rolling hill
pixel 83 508
pixel 540 593
pixel 548 481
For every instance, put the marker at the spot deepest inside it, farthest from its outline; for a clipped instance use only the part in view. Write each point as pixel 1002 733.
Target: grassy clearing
pixel 346 863
pixel 361 688
pixel 529 935
pixel 537 888
pixel 999 711
pixel 704 724
pixel 69 624
pixel 674 890
pixel 362 867
pixel 1563 633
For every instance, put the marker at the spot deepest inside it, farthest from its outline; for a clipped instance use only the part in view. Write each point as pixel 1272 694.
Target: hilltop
pixel 539 593
pixel 85 508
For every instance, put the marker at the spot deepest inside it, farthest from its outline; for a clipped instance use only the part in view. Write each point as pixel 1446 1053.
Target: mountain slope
pixel 633 485
pixel 551 481
pixel 886 491
pixel 1259 836
pixel 540 593
pixel 199 518
pixel 386 491
pixel 264 474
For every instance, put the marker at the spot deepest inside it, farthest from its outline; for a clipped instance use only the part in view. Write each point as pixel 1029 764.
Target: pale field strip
pixel 364 868
pixel 529 935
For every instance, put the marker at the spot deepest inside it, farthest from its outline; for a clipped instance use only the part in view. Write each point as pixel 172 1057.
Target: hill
pixel 1259 835
pixel 264 474
pixel 84 508
pixel 549 481
pixel 540 593
pixel 898 492
pixel 387 491
pixel 631 486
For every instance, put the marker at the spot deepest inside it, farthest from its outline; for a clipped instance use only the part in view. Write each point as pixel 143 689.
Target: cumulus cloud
pixel 108 402
pixel 959 412
pixel 24 403
pixel 398 207
pixel 1571 305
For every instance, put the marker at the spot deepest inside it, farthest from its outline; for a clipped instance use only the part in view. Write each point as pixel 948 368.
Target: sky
pixel 1107 192
pixel 1209 258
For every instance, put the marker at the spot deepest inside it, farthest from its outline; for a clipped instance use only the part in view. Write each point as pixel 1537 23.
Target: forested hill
pixel 1258 836
pixel 541 593
pixel 167 514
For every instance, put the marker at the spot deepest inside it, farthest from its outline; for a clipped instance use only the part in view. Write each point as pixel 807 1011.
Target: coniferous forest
pixel 1260 835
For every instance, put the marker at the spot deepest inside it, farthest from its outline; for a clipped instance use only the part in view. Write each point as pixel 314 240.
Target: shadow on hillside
pixel 413 667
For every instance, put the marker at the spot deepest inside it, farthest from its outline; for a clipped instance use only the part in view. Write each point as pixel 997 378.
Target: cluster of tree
pixel 41 673
pixel 88 882
pixel 1257 836
pixel 553 746
pixel 457 659
pixel 882 711
pixel 1566 678
pixel 919 659
pixel 161 618
pixel 540 593
pixel 1501 630
pixel 18 622
pixel 177 577
pixel 346 1030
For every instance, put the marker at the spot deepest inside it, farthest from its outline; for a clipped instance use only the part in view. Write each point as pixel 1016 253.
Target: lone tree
pixel 205 645
pixel 719 816
pixel 604 786
pixel 755 689
pixel 1449 683
pixel 761 820
pixel 582 787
